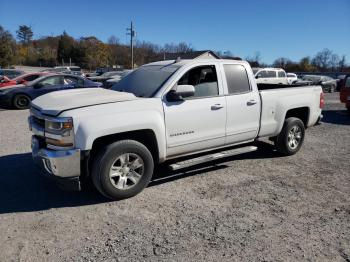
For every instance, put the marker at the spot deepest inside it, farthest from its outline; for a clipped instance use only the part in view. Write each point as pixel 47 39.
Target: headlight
pixel 59 133
pixel 59 125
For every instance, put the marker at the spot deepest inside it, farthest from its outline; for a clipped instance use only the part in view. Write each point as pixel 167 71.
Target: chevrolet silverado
pixel 182 112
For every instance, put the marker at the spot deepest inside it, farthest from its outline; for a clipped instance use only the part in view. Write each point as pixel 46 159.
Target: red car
pixel 345 92
pixel 22 79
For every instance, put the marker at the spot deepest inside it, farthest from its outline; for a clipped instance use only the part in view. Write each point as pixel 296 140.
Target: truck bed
pixel 277 100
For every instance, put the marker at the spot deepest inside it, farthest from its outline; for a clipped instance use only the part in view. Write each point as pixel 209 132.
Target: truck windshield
pixel 145 81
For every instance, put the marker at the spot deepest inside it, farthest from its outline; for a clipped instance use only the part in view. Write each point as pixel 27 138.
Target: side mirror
pixel 180 92
pixel 257 76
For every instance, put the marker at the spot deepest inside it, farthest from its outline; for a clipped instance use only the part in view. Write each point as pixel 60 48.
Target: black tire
pixel 283 142
pixel 107 156
pixel 21 101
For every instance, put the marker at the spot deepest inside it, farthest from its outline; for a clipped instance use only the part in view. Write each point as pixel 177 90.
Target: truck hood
pixel 56 102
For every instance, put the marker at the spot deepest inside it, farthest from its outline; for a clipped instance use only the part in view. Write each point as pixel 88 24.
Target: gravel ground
pixel 254 207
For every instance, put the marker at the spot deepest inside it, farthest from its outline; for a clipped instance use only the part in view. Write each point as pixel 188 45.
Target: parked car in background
pixel 11 73
pixel 292 78
pixel 116 79
pixel 106 76
pixel 345 92
pixel 328 84
pixel 340 81
pixel 22 79
pixel 271 76
pixel 73 70
pixel 20 96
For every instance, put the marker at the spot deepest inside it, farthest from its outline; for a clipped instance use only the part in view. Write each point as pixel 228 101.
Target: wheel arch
pixel 303 113
pixel 147 137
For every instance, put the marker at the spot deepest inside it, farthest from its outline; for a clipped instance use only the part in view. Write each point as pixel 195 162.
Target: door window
pixel 51 81
pixel 237 79
pixel 204 79
pixel 271 74
pixel 281 74
pixel 262 74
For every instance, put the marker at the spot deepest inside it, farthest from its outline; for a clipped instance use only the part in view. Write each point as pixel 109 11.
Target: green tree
pixel 24 34
pixel 7 47
pixel 65 46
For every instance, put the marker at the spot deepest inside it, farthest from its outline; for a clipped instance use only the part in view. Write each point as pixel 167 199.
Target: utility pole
pixel 132 35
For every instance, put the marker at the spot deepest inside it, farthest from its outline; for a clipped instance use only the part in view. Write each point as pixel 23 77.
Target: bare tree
pixel 334 62
pixel 322 59
pixel 181 47
pixel 254 61
pixel 282 62
pixel 113 40
pixel 342 63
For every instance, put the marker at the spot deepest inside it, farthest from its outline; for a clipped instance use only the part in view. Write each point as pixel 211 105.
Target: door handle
pixel 251 102
pixel 216 106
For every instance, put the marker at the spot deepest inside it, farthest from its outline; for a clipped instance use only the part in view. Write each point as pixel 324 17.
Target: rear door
pixel 198 122
pixel 243 105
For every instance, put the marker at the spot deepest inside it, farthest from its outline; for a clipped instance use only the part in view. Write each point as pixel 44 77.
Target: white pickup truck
pixel 178 112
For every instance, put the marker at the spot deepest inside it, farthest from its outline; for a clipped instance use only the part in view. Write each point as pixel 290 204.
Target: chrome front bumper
pixel 61 164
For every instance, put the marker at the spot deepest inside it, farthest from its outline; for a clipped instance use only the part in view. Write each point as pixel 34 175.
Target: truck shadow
pixel 339 117
pixel 23 189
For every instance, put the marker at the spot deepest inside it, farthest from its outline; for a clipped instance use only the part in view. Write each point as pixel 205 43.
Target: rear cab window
pixel 236 79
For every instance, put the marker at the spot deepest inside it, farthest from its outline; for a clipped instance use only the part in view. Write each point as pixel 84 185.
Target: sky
pixel 291 29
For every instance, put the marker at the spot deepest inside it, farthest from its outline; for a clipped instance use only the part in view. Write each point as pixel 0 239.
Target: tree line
pixel 90 52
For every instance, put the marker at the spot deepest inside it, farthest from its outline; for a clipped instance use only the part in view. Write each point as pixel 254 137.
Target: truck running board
pixel 211 157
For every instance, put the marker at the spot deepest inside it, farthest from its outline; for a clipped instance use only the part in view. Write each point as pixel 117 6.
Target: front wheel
pixel 122 169
pixel 21 101
pixel 291 138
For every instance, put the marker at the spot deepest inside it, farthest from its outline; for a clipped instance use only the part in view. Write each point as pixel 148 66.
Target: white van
pixel 271 76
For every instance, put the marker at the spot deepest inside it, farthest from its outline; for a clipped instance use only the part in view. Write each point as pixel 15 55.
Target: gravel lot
pixel 255 207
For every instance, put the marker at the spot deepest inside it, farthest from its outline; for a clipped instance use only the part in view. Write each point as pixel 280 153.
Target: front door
pixel 198 122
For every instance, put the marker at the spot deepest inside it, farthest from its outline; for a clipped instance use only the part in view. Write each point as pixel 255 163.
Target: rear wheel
pixel 21 101
pixel 291 138
pixel 122 169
